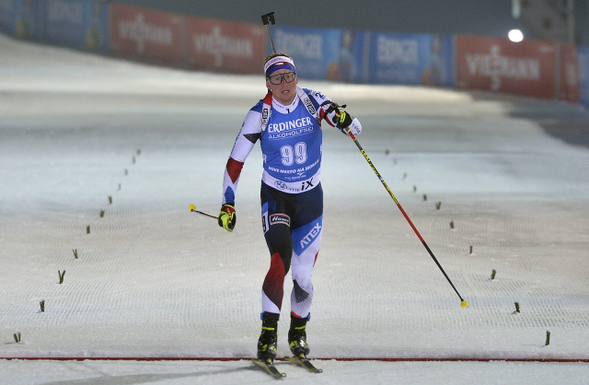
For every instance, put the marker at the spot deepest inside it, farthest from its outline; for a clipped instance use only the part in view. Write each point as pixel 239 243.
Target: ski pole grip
pixel 269 17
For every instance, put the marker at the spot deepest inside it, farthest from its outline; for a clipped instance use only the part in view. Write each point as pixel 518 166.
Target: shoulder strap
pixel 266 108
pixel 307 102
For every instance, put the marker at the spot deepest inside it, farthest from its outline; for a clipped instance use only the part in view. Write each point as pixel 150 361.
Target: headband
pixel 278 63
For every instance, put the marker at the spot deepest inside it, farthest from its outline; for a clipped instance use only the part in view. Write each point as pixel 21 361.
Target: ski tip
pixel 269 367
pixel 192 207
pixel 463 304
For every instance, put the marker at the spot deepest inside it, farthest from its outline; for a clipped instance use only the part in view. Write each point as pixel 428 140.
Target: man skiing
pixel 287 122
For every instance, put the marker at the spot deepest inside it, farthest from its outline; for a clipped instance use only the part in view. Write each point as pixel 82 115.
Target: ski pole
pixel 193 209
pixel 266 20
pixel 463 303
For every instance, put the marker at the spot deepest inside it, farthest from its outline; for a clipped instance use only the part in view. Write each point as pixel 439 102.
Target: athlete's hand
pixel 355 127
pixel 342 119
pixel 227 218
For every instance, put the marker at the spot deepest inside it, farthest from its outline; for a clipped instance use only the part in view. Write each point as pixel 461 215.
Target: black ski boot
pixel 297 336
pixel 267 340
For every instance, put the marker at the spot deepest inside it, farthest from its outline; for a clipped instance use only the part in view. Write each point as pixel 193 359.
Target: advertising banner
pixel 18 18
pixel 583 66
pixel 442 62
pixel 81 24
pixel 414 59
pixel 7 16
pixel 496 64
pixel 225 46
pixel 316 52
pixel 349 65
pixel 569 74
pixel 147 34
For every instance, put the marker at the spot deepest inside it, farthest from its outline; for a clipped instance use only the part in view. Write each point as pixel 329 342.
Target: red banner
pixel 224 46
pixel 569 74
pixel 495 64
pixel 146 33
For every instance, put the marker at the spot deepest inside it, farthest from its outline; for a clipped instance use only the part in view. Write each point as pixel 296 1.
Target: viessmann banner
pixel 225 46
pixel 569 74
pixel 495 64
pixel 146 33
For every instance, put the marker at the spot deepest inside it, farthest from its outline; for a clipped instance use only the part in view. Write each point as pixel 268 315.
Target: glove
pixel 355 127
pixel 343 119
pixel 227 218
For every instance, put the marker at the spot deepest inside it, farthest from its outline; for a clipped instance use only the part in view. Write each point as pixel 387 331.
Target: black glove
pixel 341 118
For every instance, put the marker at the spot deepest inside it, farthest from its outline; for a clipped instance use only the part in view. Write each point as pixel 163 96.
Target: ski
pixel 268 367
pixel 305 363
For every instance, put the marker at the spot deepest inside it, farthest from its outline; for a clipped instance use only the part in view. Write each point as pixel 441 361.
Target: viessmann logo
pixel 141 32
pixel 496 66
pixel 219 45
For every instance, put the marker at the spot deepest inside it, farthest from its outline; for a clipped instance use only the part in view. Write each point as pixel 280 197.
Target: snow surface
pixel 153 280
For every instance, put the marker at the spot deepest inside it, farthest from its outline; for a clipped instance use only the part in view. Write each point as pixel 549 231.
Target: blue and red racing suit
pixel 291 195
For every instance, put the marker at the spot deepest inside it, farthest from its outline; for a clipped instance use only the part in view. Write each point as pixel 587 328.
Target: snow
pixel 164 296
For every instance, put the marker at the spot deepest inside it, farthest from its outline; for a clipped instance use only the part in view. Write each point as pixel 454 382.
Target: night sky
pixel 476 17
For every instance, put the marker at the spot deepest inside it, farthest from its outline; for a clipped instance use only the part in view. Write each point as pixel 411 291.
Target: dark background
pixel 475 17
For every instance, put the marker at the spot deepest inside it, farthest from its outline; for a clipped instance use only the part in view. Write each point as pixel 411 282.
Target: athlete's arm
pixel 334 114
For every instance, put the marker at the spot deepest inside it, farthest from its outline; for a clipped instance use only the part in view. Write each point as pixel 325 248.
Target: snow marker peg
pixel 61 275
pixel 42 305
pixel 516 308
pixel 493 274
pixel 547 338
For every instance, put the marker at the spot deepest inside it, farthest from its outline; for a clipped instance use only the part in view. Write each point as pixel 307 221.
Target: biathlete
pixel 287 122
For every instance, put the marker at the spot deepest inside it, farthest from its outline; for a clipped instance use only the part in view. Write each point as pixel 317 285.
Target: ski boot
pixel 297 336
pixel 268 337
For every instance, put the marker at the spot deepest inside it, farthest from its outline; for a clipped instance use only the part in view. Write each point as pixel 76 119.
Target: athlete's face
pixel 284 92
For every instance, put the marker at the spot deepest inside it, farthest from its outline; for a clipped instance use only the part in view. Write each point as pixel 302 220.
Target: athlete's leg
pixel 306 241
pixel 276 213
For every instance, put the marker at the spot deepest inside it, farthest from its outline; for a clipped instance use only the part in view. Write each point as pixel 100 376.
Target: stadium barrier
pixel 535 68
